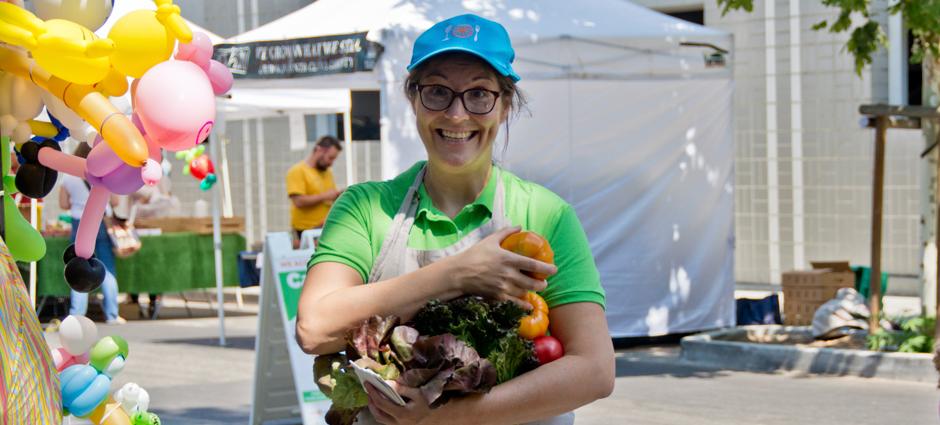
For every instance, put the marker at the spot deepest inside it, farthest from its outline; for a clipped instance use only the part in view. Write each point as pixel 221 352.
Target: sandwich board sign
pixel 284 391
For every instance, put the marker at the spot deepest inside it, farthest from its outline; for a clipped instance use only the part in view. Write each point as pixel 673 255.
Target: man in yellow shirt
pixel 310 186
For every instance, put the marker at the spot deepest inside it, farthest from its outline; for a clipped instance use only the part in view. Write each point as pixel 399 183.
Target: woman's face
pixel 455 138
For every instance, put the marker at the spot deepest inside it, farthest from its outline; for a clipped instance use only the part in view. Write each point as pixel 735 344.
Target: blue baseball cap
pixel 468 33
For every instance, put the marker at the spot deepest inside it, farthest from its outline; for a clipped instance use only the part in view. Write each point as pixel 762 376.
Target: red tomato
pixel 548 349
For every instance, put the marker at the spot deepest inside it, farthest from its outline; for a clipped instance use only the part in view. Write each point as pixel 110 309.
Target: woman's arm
pixel 584 374
pixel 334 298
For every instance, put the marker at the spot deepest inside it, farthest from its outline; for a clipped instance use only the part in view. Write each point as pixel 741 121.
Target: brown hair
pixel 512 97
pixel 327 142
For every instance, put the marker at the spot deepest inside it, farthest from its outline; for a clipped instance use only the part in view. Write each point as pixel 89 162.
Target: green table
pixel 171 262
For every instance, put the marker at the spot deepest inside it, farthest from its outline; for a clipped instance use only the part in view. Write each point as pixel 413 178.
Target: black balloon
pixel 32 178
pixel 84 275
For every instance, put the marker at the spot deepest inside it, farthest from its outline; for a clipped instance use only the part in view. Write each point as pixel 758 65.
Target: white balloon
pixel 22 133
pixel 87 13
pixel 21 97
pixel 115 367
pixel 78 128
pixel 77 334
pixel 8 124
pixel 133 398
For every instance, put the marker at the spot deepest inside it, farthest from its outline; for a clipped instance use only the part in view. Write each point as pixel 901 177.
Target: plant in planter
pixel 915 335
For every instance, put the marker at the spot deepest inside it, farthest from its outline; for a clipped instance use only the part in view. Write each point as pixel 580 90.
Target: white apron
pixel 396 258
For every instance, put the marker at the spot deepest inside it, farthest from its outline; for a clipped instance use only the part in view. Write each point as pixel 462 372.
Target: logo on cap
pixel 463 31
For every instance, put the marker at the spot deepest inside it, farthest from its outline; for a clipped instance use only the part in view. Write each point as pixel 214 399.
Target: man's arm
pixel 305 201
pixel 64 201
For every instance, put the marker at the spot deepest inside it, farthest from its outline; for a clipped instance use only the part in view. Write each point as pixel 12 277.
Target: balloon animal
pixel 91 105
pixel 174 104
pixel 72 52
pixel 84 387
pixel 199 166
pixel 24 241
pixel 89 14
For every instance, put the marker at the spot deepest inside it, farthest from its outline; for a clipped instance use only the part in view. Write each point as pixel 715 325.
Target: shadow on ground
pixel 630 367
pixel 203 415
pixel 238 342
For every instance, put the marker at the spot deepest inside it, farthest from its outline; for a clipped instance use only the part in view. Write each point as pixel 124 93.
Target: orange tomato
pixel 531 245
pixel 538 303
pixel 533 325
pixel 536 323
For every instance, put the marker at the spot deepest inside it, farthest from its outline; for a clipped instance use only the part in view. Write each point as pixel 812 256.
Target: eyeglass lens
pixel 438 98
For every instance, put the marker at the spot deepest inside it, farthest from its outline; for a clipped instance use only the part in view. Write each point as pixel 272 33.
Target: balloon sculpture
pixel 86 376
pixel 173 105
pixel 199 166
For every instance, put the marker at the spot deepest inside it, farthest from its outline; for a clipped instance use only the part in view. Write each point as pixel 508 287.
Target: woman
pixel 72 197
pixel 434 232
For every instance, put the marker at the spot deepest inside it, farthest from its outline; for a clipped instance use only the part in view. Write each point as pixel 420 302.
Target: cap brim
pixel 499 69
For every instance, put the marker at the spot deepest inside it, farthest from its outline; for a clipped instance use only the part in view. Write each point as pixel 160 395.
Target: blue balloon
pixel 83 389
pixel 74 380
pixel 93 395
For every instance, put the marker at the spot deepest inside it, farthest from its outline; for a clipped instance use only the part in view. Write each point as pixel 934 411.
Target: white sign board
pixel 284 390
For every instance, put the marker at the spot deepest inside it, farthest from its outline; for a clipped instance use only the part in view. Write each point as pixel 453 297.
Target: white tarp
pixel 630 127
pixel 244 103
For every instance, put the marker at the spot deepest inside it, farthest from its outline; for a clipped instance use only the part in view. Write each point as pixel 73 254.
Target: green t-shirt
pixel 361 217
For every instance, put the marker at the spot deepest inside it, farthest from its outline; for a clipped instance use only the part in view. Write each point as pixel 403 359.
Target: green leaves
pixel 729 5
pixel 915 336
pixel 867 36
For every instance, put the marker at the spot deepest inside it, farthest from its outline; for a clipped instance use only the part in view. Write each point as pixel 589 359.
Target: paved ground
pixel 192 380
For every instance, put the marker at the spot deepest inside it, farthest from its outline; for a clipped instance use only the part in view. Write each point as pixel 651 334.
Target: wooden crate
pixel 199 225
pixel 806 291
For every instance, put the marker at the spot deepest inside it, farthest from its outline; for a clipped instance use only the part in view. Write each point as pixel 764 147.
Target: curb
pixel 716 349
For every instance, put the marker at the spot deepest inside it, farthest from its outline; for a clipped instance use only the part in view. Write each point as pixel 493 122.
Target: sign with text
pixel 299 57
pixel 283 393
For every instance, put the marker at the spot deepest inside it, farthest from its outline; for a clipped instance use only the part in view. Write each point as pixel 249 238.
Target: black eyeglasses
pixel 438 98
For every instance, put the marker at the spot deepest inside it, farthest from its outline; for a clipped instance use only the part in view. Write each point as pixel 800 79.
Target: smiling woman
pixel 434 232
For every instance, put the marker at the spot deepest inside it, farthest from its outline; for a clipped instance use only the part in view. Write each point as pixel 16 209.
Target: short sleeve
pixel 577 279
pixel 345 238
pixel 295 181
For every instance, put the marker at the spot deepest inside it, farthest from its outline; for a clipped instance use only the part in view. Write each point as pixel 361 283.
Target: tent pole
pixel 262 193
pixel 249 207
pixel 347 135
pixel 217 234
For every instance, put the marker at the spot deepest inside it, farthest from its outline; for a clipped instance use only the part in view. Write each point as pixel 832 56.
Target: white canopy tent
pixel 631 120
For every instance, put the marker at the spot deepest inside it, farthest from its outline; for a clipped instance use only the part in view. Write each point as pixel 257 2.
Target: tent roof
pixel 243 103
pixel 124 7
pixel 528 19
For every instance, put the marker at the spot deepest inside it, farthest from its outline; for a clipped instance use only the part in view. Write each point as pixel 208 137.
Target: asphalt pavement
pixel 192 380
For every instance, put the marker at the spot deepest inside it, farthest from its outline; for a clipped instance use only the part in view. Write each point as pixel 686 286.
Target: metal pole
pixel 874 280
pixel 347 134
pixel 262 190
pixel 249 206
pixel 936 232
pixel 33 218
pixel 217 235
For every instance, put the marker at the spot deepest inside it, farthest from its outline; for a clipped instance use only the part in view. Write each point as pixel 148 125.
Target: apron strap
pixel 397 238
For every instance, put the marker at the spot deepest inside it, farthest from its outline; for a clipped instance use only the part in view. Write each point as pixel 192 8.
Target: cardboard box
pixel 805 291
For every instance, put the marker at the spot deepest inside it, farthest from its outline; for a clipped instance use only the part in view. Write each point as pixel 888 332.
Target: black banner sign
pixel 299 57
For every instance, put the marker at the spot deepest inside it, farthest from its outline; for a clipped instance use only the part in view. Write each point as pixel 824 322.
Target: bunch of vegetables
pixel 449 349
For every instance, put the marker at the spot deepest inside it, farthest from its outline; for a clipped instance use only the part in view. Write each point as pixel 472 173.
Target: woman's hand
pixel 385 411
pixel 488 270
